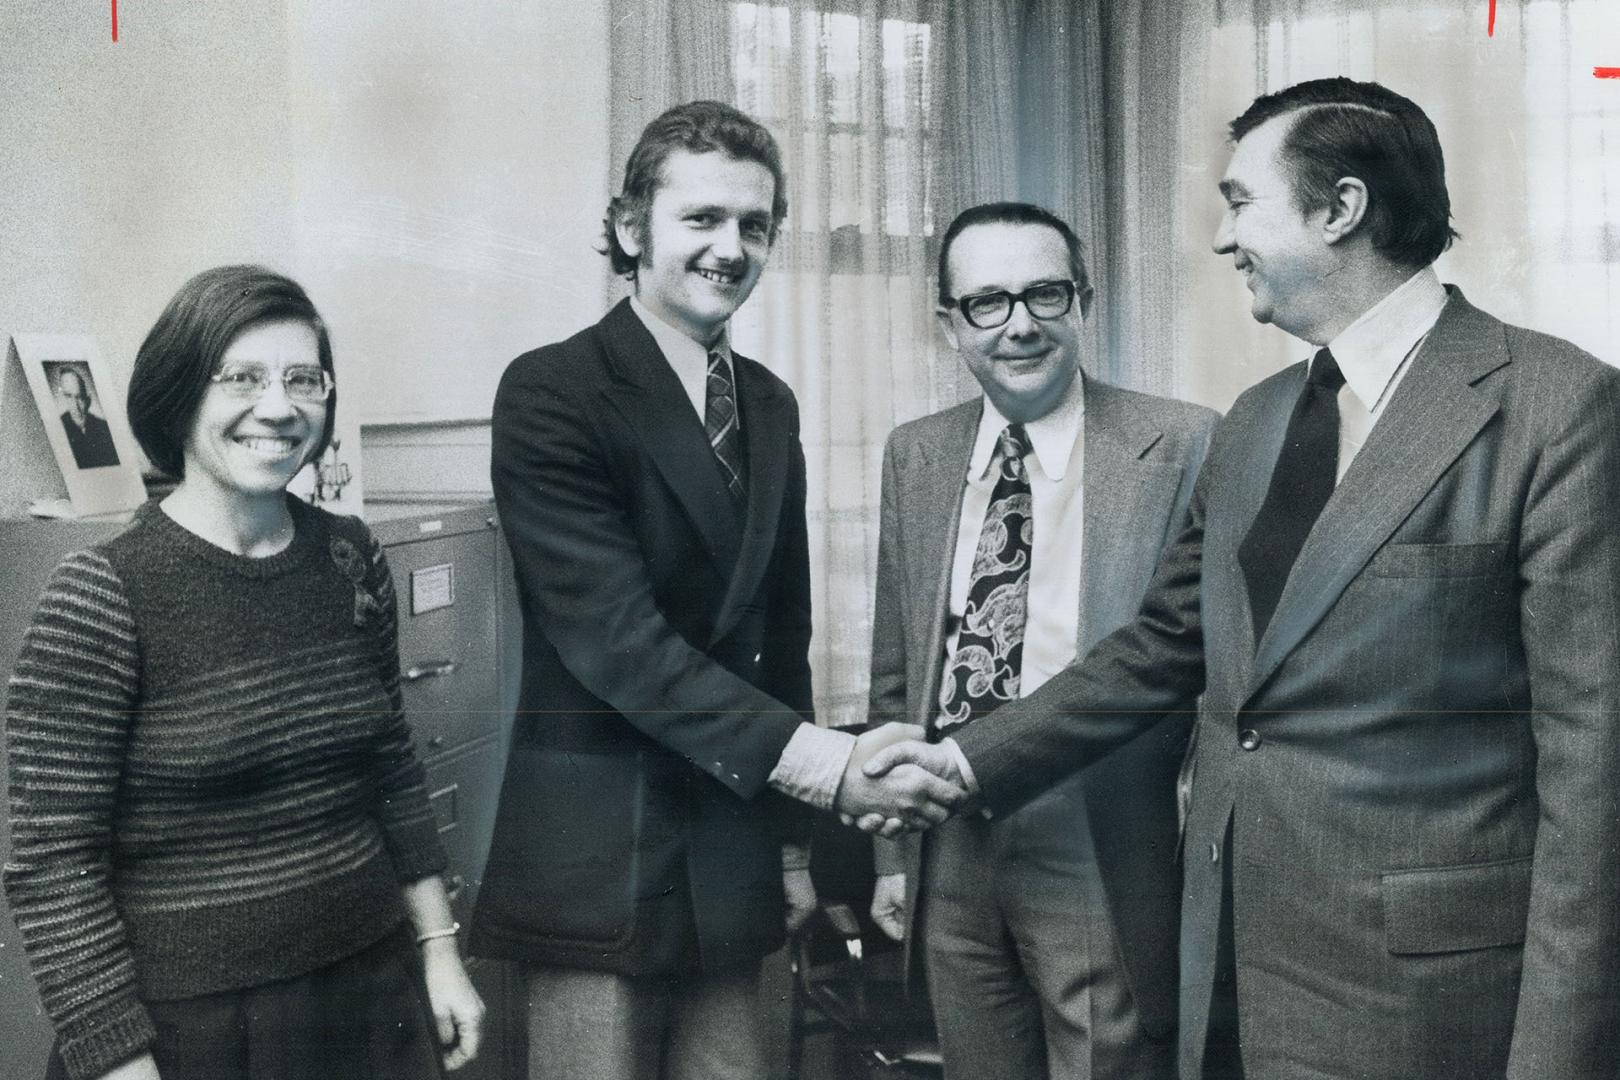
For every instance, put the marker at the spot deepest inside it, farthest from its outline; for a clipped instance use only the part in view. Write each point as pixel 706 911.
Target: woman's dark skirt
pixel 365 1017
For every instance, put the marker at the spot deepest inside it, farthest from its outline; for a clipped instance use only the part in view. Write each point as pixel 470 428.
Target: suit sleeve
pixel 887 697
pixel 785 653
pixel 1133 678
pixel 785 657
pixel 1569 558
pixel 584 580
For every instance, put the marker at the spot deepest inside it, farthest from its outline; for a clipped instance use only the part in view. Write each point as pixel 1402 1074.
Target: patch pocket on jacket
pixel 1455 908
pixel 556 866
pixel 1437 560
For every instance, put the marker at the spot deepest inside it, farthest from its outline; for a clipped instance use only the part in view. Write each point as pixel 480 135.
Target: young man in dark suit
pixel 1399 593
pixel 652 487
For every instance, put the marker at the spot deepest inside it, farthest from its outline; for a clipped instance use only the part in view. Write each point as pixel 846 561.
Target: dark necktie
pixel 984 671
pixel 1300 485
pixel 720 422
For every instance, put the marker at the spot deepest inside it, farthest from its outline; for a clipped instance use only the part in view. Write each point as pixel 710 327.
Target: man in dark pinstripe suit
pixel 1398 590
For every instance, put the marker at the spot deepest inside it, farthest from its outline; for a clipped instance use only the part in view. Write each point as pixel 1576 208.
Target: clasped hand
pixel 895 783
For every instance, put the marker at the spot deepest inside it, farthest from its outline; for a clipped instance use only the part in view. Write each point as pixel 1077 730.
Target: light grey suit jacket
pixel 1418 760
pixel 1141 459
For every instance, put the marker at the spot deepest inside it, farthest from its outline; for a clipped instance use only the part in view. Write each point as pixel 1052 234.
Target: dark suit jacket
pixel 1142 455
pixel 665 662
pixel 93 445
pixel 1418 759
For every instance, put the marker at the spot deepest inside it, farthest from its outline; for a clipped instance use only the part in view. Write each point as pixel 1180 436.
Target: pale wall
pixel 433 173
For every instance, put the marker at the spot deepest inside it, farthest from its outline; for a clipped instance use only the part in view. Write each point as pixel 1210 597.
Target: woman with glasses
pixel 224 864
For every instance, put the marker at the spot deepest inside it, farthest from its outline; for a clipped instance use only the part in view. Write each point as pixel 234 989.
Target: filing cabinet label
pixel 433 587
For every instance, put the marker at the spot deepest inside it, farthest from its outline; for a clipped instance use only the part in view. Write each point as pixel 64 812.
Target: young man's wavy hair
pixel 698 127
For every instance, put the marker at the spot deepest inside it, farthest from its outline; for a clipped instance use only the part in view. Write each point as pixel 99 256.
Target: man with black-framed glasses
pixel 1018 530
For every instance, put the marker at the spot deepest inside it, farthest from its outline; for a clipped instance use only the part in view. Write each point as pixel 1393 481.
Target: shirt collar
pixel 680 350
pixel 1051 437
pixel 1370 349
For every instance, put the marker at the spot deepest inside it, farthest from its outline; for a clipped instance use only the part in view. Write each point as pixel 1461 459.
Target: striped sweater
pixel 212 782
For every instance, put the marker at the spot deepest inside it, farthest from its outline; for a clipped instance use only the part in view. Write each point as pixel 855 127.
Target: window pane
pixel 905 71
pixel 848 97
pixel 762 44
pixel 848 170
pixel 833 82
pixel 906 164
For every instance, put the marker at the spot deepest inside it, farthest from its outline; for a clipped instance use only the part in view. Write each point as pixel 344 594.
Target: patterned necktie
pixel 720 422
pixel 984 671
pixel 1301 482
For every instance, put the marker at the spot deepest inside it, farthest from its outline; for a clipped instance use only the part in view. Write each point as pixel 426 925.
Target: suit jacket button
pixel 1249 739
pixel 1214 853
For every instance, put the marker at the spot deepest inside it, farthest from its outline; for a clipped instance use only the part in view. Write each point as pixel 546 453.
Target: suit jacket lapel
pixel 930 514
pixel 762 412
pixel 1229 624
pixel 1432 417
pixel 651 399
pixel 1118 487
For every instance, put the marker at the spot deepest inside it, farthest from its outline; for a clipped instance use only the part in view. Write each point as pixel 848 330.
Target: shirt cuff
pixel 812 765
pixel 889 857
pixel 962 765
pixel 795 857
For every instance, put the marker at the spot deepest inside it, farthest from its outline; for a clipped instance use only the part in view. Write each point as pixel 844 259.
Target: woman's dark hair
pixel 184 348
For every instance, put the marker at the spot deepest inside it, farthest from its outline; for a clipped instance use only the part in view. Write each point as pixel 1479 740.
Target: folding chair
pixel 847 978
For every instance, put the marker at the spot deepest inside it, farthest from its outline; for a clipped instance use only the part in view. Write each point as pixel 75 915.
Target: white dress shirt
pixel 688 359
pixel 1374 352
pixel 1055 465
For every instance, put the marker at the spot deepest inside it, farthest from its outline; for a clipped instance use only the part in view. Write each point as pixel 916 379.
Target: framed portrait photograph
pixel 81 420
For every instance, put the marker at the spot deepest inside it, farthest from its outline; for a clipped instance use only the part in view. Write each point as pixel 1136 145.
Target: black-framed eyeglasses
pixel 248 382
pixel 988 310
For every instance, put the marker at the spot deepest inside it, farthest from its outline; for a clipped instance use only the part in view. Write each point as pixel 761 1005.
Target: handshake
pixel 894 782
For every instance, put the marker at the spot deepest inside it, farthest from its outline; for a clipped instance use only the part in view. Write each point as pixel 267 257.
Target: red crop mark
pixel 1490 31
pixel 115 18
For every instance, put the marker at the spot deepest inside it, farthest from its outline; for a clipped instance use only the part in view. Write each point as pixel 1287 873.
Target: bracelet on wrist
pixel 450 931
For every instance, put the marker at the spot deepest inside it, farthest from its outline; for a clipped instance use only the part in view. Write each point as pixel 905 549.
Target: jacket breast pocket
pixel 1438 560
pixel 1456 908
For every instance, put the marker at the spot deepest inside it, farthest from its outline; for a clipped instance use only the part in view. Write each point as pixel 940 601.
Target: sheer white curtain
pixel 1530 137
pixel 845 317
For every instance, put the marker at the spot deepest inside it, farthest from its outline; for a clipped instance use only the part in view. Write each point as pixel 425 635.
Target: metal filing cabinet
pixel 458 636
pixel 458 643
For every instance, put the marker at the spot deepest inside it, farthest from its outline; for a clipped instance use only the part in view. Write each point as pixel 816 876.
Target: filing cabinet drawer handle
pixel 418 672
